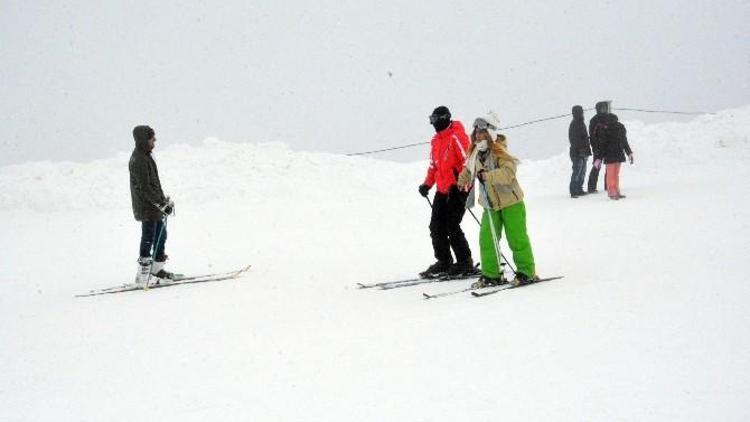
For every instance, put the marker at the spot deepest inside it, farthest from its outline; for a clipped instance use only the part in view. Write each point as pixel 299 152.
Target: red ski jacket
pixel 447 157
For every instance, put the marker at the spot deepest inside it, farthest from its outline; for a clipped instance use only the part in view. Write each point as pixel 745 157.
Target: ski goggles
pixel 482 124
pixel 435 117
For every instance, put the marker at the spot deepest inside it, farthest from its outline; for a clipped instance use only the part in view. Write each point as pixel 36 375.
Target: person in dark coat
pixel 580 150
pixel 150 207
pixel 596 126
pixel 614 148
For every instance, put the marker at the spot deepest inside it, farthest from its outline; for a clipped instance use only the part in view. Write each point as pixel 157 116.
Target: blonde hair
pixel 498 147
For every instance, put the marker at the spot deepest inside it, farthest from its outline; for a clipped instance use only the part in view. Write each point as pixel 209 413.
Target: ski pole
pixel 498 253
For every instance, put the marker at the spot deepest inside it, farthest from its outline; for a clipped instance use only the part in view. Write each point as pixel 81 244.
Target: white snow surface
pixel 651 321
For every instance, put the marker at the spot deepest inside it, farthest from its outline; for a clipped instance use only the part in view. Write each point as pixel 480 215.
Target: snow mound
pixel 215 170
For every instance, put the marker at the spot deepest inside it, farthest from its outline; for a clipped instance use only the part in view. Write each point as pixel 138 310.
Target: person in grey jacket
pixel 580 150
pixel 150 207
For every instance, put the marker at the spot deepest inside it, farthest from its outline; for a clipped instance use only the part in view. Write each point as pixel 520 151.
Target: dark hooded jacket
pixel 145 187
pixel 596 127
pixel 614 142
pixel 578 135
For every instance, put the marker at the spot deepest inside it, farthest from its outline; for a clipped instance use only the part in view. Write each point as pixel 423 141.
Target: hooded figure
pixel 614 148
pixel 150 205
pixel 597 126
pixel 578 135
pixel 145 187
pixel 580 149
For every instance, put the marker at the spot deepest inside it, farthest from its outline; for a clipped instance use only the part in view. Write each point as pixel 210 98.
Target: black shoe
pixel 593 191
pixel 462 268
pixel 437 268
pixel 574 195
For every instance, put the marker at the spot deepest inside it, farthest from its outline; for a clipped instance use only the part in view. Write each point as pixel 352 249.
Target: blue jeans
pixel 579 174
pixel 153 235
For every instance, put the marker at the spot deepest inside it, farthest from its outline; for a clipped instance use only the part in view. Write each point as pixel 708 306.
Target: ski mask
pixel 440 118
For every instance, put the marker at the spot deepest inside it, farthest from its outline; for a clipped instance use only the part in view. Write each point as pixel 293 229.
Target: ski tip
pixel 426 296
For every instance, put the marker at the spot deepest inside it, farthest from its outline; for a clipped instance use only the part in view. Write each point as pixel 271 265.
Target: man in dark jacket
pixel 150 207
pixel 580 149
pixel 596 127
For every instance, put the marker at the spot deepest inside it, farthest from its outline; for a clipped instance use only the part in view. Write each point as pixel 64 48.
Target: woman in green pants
pixel 502 198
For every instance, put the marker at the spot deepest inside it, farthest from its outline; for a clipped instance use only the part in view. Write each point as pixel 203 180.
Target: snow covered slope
pixel 649 323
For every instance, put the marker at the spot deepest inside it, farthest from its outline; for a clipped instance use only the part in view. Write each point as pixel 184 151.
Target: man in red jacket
pixel 447 156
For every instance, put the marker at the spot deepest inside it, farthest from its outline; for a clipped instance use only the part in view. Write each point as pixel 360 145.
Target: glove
pixel 167 207
pixel 597 163
pixel 424 190
pixel 630 157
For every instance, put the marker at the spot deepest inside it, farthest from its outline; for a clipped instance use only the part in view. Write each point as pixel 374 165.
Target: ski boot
pixel 522 279
pixel 462 268
pixel 158 271
pixel 144 271
pixel 436 269
pixel 485 281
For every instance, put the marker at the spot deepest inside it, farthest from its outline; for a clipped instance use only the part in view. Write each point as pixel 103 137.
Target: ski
pixel 206 278
pixel 450 293
pixel 496 289
pixel 385 283
pixel 483 291
pixel 428 280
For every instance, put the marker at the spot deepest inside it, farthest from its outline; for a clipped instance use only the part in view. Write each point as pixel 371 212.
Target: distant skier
pixel 595 128
pixel 580 150
pixel 502 198
pixel 150 207
pixel 447 156
pixel 614 147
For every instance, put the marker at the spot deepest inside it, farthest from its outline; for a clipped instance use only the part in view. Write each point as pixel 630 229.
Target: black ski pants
pixel 445 226
pixel 153 236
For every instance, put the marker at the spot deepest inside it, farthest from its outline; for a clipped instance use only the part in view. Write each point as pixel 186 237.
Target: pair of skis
pixel 178 280
pixel 475 292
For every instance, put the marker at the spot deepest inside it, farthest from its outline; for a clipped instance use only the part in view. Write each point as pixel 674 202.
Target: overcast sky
pixel 344 76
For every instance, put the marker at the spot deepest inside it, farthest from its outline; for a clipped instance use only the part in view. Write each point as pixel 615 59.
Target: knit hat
pixel 142 133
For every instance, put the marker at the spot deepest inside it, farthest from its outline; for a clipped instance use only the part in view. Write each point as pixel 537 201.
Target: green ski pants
pixel 513 219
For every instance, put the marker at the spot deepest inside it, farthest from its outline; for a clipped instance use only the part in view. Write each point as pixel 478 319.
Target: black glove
pixel 424 190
